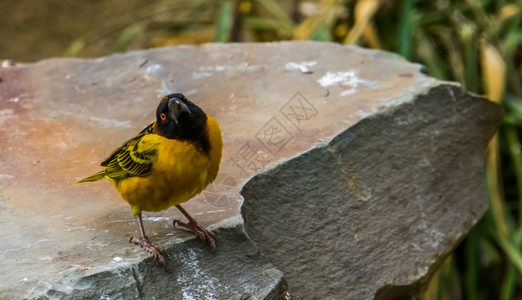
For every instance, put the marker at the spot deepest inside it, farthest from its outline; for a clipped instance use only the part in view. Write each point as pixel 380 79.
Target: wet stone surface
pixel 331 134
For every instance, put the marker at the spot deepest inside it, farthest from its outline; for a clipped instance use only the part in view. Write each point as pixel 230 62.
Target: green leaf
pixel 224 22
pixel 404 30
pixel 127 34
pixel 277 12
pixel 260 23
pixel 512 252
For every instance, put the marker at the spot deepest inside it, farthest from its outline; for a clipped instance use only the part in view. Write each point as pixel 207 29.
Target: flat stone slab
pixel 343 134
pixel 379 207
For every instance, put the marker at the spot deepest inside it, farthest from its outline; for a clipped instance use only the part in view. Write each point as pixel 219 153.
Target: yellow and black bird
pixel 166 164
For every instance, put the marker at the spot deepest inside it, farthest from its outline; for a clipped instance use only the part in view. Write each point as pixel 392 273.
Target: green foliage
pixel 224 22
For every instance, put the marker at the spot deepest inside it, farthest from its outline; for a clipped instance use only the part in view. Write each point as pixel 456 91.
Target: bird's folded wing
pixel 115 153
pixel 134 158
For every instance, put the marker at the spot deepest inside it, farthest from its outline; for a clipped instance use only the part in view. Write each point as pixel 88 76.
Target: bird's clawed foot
pixel 201 232
pixel 157 252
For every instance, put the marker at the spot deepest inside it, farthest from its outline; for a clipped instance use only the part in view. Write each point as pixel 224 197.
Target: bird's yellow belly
pixel 179 174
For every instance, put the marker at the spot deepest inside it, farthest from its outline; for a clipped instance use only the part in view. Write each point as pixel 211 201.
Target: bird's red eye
pixel 163 117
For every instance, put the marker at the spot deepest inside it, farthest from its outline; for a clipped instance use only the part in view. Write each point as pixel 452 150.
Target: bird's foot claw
pixel 158 253
pixel 201 232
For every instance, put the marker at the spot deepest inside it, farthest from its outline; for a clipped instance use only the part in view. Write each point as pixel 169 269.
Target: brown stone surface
pixel 60 118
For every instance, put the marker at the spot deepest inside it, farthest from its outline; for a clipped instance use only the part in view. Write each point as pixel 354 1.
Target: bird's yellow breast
pixel 180 171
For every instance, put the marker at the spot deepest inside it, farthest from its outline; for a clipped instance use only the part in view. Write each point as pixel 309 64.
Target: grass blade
pixel 430 57
pixel 507 290
pixel 126 35
pixel 404 30
pixel 364 11
pixel 512 252
pixel 224 22
pixel 278 13
pixel 471 247
pixel 468 36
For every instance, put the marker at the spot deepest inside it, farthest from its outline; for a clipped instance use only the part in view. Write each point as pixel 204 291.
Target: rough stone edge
pixel 389 291
pixel 380 54
pixel 388 108
pixel 128 278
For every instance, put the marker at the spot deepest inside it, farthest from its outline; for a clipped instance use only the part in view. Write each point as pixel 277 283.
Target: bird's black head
pixel 178 118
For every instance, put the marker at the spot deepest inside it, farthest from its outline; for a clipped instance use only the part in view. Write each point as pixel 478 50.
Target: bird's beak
pixel 176 107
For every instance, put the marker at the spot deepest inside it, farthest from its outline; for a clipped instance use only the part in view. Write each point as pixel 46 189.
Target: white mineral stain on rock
pixel 208 71
pixel 348 92
pixel 296 66
pixel 257 67
pixel 215 211
pixel 348 78
pixel 62 145
pixel 74 228
pixel 223 68
pixel 6 112
pixel 105 297
pixel 166 88
pixel 207 286
pixel 190 93
pixel 155 219
pixel 117 259
pixel 156 71
pixel 303 66
pixel 7 63
pixel 361 113
pixel 110 123
pixel 6 176
pixel 199 75
pixel 227 223
pixel 436 238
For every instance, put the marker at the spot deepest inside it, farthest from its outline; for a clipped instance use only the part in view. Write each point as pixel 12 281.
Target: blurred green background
pixel 475 42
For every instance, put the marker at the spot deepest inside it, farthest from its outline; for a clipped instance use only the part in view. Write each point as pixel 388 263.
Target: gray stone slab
pixel 375 210
pixel 387 135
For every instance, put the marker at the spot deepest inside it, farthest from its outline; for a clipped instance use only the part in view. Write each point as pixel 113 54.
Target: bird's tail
pixel 95 177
